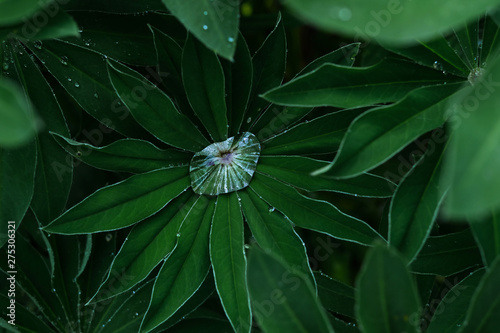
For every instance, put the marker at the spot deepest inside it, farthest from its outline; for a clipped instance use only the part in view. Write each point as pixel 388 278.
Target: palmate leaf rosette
pixel 226 166
pixel 193 188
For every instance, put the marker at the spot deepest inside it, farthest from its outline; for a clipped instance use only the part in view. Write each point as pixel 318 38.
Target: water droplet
pixel 77 85
pixel 205 13
pixel 87 43
pixel 5 66
pixel 137 314
pixel 178 234
pixel 437 66
pixel 109 237
pixel 271 209
pixel 205 27
pixel 64 60
pixel 247 246
pixel 53 290
pixel 96 95
pixel 249 120
pixel 38 44
pixel 345 14
pixel 69 79
pixel 230 39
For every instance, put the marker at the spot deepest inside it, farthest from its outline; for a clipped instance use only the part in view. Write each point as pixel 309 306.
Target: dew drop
pixel 205 13
pixel 230 39
pixel 345 14
pixel 64 60
pixel 38 44
pixel 96 95
pixel 77 85
pixel 5 66
pixel 178 235
pixel 249 119
pixel 205 27
pixel 109 237
pixel 69 79
pixel 437 66
pixel 271 209
pixel 247 246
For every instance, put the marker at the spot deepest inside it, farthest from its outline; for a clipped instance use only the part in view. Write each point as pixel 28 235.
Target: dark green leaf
pixel 203 79
pixel 473 158
pixel 114 6
pixel 24 319
pixel 124 203
pixel 344 56
pixel 129 155
pixel 283 300
pixel 318 136
pixel 154 110
pixel 185 269
pixel 17 119
pixel 58 26
pixel 296 171
pixel 53 173
pixel 215 24
pixel 487 234
pixel 229 263
pixel 238 76
pixel 395 22
pixel 447 255
pixel 125 38
pixel 386 295
pixel 484 308
pixel 380 133
pixel 312 214
pixel 146 245
pixel 269 64
pixel 14 11
pixel 449 315
pixel 346 87
pixel 277 119
pixel 335 295
pixel 274 233
pixel 17 176
pixel 416 202
pixel 83 74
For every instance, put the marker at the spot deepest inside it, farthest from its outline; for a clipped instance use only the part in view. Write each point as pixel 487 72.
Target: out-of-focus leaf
pixel 398 22
pixel 283 299
pixel 386 295
pixel 114 6
pixel 487 234
pixel 122 204
pixel 214 24
pixel 14 11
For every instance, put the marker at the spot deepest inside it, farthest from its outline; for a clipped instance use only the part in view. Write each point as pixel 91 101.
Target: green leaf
pixel 125 38
pixel 312 214
pixel 274 233
pixel 473 158
pixel 229 263
pixel 415 204
pixel 335 295
pixel 14 11
pixel 147 244
pixel 449 315
pixel 238 77
pixel 487 234
pixel 283 299
pixel 54 174
pixel 17 119
pixel 25 320
pixel 386 295
pixel 203 79
pixel 448 254
pixel 129 155
pixel 482 315
pixel 380 133
pixel 214 24
pixel 344 56
pixel 154 110
pixel 392 22
pixel 17 173
pixel 122 204
pixel 296 171
pixel 58 26
pixel 269 64
pixel 347 87
pixel 185 269
pixel 318 136
pixel 82 73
